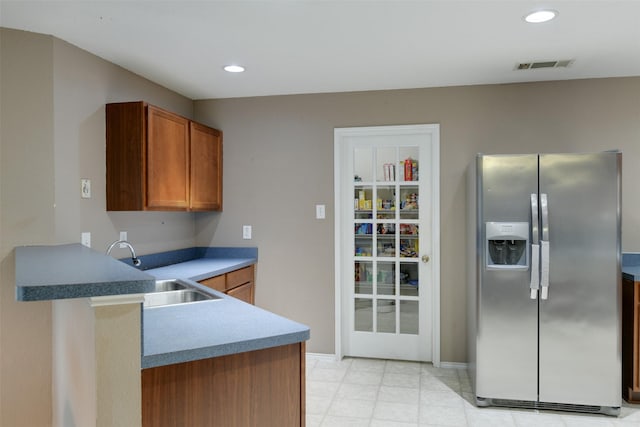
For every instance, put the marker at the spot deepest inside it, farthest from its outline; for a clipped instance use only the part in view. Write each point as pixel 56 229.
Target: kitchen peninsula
pixel 217 362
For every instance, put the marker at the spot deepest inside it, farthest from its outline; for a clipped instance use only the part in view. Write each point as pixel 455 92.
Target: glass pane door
pixel 387 211
pixel 386 215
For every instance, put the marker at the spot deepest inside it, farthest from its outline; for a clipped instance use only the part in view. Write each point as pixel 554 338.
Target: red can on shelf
pixel 408 170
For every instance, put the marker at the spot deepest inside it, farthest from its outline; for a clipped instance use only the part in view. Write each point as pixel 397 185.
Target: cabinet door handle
pixel 425 258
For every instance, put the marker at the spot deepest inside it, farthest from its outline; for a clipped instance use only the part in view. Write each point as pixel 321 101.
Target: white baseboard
pixel 454 365
pixel 332 358
pixel 323 356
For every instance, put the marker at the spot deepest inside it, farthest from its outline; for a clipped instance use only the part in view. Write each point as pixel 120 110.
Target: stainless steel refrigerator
pixel 544 296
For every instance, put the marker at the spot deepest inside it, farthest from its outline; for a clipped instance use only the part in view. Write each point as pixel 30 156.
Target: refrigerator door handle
pixel 535 266
pixel 544 246
pixel 534 218
pixel 535 248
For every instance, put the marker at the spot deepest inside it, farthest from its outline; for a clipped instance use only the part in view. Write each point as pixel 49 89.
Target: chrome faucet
pixel 136 261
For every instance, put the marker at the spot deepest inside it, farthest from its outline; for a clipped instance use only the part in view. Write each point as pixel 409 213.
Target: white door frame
pixel 427 129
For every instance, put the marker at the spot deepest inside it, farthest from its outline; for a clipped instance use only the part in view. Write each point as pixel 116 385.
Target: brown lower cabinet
pixel 262 388
pixel 238 284
pixel 631 341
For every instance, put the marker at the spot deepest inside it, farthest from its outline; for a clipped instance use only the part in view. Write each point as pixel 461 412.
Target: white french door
pixel 387 241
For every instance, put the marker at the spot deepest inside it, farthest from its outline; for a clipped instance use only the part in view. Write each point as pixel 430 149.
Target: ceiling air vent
pixel 564 63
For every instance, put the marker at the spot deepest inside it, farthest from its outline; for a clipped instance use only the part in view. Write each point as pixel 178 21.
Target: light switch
pixel 85 188
pixel 246 232
pixel 320 214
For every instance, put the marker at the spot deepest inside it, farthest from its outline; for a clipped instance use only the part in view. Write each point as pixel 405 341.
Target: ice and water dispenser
pixel 507 245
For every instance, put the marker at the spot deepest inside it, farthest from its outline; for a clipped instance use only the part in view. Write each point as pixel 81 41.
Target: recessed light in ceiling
pixel 234 68
pixel 540 16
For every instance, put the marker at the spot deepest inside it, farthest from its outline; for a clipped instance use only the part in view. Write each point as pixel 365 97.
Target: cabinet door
pixel 206 168
pixel 243 293
pixel 631 340
pixel 125 148
pixel 167 160
pixel 249 389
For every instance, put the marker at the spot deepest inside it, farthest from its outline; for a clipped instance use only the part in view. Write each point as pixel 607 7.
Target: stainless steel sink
pixel 171 292
pixel 169 285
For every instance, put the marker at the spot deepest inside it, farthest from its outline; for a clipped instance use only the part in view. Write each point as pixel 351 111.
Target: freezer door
pixel 580 317
pixel 507 317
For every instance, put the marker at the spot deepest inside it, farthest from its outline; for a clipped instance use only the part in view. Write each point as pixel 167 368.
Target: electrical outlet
pixel 246 232
pixel 85 188
pixel 320 212
pixel 123 236
pixel 85 239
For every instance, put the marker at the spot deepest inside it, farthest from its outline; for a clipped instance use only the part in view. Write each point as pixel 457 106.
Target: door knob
pixel 425 258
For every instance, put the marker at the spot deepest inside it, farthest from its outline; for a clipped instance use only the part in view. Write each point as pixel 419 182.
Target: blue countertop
pixel 178 256
pixel 170 334
pixel 200 330
pixel 73 271
pixel 631 266
pixel 200 269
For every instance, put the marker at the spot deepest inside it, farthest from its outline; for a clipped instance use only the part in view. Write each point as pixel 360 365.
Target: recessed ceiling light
pixel 540 16
pixel 234 68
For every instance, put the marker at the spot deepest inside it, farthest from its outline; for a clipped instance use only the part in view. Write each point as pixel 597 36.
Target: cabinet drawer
pixel 243 293
pixel 239 277
pixel 218 283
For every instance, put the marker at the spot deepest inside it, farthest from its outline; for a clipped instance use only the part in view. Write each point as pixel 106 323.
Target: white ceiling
pixel 311 46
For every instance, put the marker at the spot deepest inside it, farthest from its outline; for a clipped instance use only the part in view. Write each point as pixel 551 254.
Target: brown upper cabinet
pixel 158 160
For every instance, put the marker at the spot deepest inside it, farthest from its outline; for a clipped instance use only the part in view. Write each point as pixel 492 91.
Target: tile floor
pixel 376 393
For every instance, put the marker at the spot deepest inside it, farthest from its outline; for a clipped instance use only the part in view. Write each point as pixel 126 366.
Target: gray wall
pixel 26 163
pixel 278 163
pixel 83 84
pixel 52 134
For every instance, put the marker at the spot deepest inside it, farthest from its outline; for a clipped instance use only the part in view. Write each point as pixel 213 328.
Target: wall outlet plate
pixel 320 212
pixel 246 232
pixel 123 236
pixel 85 238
